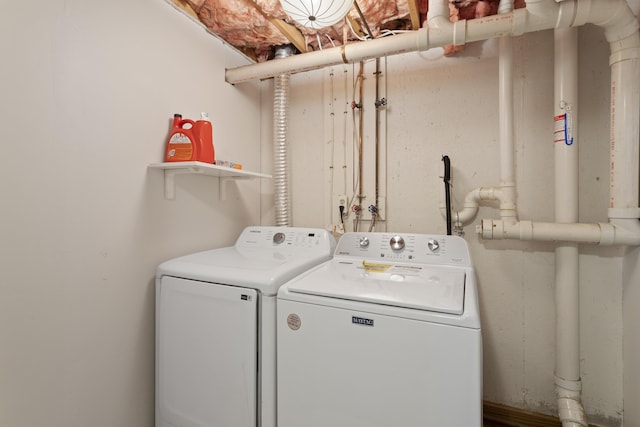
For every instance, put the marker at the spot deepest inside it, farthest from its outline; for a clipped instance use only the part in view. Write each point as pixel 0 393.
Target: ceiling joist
pixel 414 12
pixel 186 7
pixel 289 31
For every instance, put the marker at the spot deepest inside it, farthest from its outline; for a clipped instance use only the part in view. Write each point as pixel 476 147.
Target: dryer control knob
pixel 363 242
pixel 278 238
pixel 397 243
pixel 433 245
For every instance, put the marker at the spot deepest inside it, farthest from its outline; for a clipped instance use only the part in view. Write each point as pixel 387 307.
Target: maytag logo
pixel 361 321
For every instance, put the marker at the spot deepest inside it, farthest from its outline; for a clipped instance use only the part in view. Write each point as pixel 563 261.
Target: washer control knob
pixel 397 243
pixel 278 238
pixel 363 242
pixel 433 245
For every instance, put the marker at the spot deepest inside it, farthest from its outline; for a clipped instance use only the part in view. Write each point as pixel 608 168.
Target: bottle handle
pixel 184 122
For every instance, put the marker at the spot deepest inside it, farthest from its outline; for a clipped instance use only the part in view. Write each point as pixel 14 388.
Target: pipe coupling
pixel 570 409
pixel 571 412
pixel 422 41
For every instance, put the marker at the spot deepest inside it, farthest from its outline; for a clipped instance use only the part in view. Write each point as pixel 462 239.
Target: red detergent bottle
pixel 204 137
pixel 182 145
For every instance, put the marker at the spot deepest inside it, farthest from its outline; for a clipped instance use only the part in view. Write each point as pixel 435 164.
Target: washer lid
pixel 429 288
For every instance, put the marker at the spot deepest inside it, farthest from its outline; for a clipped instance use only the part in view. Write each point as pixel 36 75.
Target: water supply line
pixel 378 104
pixel 280 121
pixel 360 143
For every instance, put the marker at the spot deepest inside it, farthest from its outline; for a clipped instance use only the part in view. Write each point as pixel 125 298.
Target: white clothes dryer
pixel 216 331
pixel 387 333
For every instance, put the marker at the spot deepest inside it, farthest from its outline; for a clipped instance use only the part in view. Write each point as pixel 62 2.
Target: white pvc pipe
pixel 614 15
pixel 625 104
pixel 506 193
pixel 471 205
pixel 441 32
pixel 606 234
pixel 565 138
pixel 507 145
pixel 567 268
pixel 570 409
pixel 621 29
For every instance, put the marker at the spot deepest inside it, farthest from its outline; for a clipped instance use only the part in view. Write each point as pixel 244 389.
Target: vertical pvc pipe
pixel 567 370
pixel 507 161
pixel 625 104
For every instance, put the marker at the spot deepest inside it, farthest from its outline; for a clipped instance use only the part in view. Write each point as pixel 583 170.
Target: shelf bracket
pixel 170 183
pixel 222 187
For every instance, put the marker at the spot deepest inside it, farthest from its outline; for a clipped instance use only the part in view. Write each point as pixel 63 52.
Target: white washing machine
pixel 215 327
pixel 387 333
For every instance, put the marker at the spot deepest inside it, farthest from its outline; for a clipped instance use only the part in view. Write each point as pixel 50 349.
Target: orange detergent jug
pixel 204 136
pixel 190 141
pixel 182 145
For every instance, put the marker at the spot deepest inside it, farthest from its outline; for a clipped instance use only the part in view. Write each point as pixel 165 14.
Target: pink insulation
pixel 245 23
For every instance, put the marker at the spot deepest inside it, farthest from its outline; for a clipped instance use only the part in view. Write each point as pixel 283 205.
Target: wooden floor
pixel 497 415
pixel 489 423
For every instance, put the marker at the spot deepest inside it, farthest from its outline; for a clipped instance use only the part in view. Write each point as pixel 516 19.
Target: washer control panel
pixel 405 247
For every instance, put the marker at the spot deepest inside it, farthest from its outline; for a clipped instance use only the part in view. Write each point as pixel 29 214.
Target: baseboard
pixel 517 417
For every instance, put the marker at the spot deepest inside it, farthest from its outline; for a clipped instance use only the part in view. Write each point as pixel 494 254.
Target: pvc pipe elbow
pixel 614 16
pixel 466 215
pixel 625 223
pixel 626 231
pixel 472 203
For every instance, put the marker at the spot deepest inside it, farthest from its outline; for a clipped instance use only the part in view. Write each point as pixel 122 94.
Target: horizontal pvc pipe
pixel 439 34
pixel 615 233
pixel 614 15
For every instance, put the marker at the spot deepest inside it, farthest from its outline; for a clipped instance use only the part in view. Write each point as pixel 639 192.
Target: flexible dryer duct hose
pixel 280 120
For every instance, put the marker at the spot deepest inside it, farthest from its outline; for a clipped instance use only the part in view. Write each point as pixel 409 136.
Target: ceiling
pixel 258 27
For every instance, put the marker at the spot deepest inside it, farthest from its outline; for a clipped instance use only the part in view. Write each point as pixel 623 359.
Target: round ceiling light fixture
pixel 316 13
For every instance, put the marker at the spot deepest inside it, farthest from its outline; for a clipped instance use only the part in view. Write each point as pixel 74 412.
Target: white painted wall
pixel 88 90
pixel 450 107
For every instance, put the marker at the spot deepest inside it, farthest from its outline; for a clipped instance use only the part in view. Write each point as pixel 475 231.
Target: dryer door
pixel 206 354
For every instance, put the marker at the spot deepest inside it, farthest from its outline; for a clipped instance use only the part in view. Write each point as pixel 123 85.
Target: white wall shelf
pixel 225 174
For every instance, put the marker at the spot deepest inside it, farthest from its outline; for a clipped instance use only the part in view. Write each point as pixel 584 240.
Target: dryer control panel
pixel 405 247
pixel 285 237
